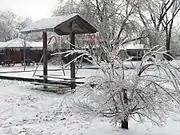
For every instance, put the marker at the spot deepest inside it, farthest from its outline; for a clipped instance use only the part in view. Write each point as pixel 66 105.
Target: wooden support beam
pixel 72 65
pixel 45 56
pixel 24 54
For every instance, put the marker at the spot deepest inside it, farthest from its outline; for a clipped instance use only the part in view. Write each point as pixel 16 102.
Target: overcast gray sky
pixel 34 9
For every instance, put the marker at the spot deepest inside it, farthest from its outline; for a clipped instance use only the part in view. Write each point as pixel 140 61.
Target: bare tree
pixel 65 7
pixel 11 24
pixel 7 25
pixel 159 15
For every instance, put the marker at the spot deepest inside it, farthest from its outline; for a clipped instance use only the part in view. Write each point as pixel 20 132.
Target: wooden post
pixel 24 54
pixel 45 56
pixel 72 65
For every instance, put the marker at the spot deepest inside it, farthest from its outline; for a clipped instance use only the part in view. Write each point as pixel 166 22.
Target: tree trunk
pixel 124 123
pixel 168 38
pixel 168 42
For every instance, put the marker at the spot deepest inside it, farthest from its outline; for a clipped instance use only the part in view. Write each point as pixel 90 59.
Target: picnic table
pixel 8 63
pixel 28 62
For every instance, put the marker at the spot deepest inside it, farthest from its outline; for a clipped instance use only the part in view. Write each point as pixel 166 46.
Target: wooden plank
pixel 48 84
pixel 20 79
pixel 63 81
pixel 70 81
pixel 64 78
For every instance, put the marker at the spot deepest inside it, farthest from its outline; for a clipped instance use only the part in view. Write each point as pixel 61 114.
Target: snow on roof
pixel 36 44
pixel 132 46
pixel 2 44
pixel 47 23
pixel 19 43
pixel 16 43
pixel 39 45
pixel 62 25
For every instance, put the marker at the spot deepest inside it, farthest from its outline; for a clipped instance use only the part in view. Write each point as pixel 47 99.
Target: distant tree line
pixel 11 24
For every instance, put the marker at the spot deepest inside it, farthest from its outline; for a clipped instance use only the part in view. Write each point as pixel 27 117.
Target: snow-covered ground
pixel 28 111
pixel 24 110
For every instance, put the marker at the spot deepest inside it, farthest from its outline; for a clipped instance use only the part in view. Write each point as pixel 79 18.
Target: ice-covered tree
pixel 149 89
pixel 122 90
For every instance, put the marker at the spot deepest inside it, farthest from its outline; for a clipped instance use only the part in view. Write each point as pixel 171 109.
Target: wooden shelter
pixel 62 25
pixel 19 49
pixel 14 49
pixel 134 50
